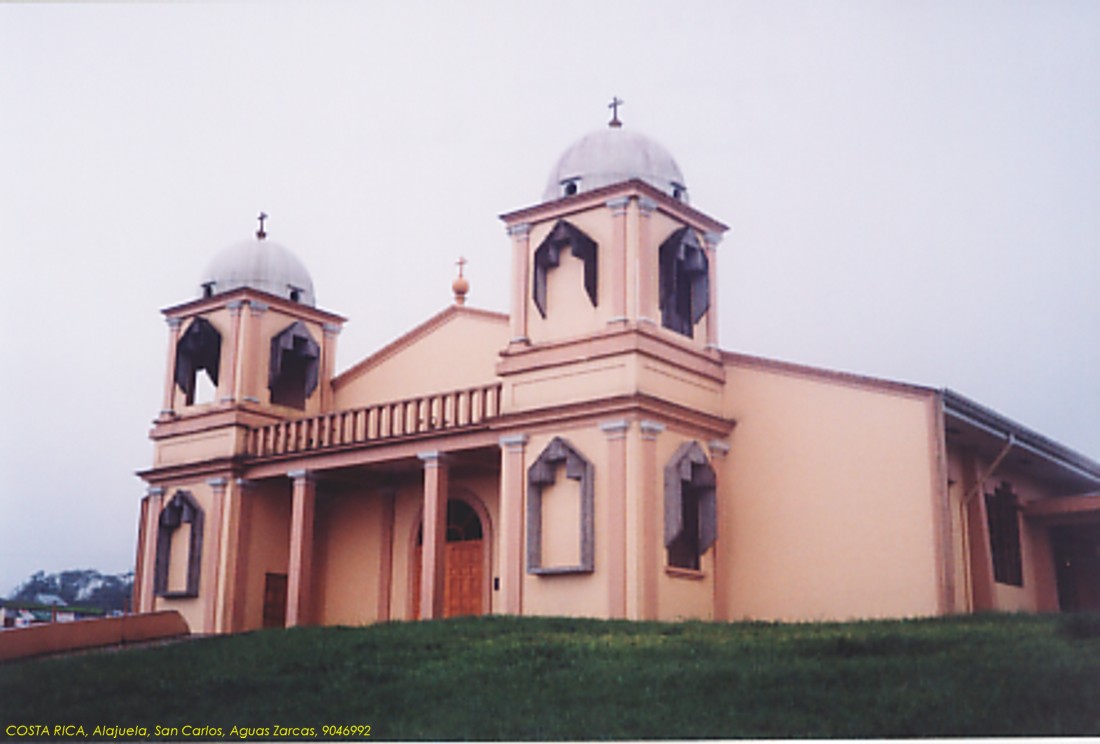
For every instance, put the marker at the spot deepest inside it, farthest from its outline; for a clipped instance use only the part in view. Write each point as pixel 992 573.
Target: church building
pixel 593 452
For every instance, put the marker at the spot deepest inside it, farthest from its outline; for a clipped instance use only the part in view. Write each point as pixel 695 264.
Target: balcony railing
pixel 451 411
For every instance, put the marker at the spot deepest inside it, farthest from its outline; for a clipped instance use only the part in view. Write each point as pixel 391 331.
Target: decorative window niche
pixel 1003 516
pixel 684 282
pixel 548 256
pixel 691 509
pixel 295 366
pixel 198 350
pixel 541 476
pixel 179 548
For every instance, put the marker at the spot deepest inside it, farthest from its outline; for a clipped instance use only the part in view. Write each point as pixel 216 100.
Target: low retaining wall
pixel 52 638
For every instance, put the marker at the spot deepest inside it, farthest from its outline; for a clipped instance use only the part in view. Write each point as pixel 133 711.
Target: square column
pixel 512 480
pixel 300 572
pixel 434 535
pixel 614 516
pixel 232 618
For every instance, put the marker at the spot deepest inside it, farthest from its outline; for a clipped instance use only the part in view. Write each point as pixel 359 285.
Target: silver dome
pixel 612 155
pixel 260 264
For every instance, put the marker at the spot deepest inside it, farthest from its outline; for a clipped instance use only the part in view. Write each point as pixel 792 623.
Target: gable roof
pixel 409 338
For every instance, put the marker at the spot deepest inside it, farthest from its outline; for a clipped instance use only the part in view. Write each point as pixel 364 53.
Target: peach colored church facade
pixel 591 453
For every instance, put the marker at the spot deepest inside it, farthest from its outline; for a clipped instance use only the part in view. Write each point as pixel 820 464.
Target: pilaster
pixel 616 275
pixel 328 363
pixel 512 482
pixel 646 286
pixel 168 408
pixel 651 503
pixel 227 388
pixel 718 452
pixel 521 278
pixel 154 501
pixel 712 239
pixel 614 516
pixel 252 341
pixel 212 556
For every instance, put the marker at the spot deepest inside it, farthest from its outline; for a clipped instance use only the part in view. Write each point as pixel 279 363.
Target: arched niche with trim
pixel 180 511
pixel 198 349
pixel 548 256
pixel 691 508
pixel 684 281
pixel 543 473
pixel 295 366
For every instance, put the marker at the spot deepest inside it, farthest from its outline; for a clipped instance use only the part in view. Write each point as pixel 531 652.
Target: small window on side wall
pixel 179 548
pixel 691 519
pixel 1002 513
pixel 198 352
pixel 295 366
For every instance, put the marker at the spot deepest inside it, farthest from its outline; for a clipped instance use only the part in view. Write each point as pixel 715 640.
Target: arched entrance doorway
pixel 464 563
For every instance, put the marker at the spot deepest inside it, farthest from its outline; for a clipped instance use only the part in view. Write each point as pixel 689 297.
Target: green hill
pixel 523 678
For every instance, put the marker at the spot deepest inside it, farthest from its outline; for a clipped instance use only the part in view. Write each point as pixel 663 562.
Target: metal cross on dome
pixel 614 106
pixel 260 233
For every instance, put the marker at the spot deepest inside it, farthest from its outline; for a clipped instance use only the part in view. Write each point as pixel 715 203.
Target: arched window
pixel 179 548
pixel 543 474
pixel 684 282
pixel 199 349
pixel 295 365
pixel 691 509
pixel 548 255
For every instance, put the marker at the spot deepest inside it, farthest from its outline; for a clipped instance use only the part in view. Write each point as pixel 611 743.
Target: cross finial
pixel 260 233
pixel 460 286
pixel 614 106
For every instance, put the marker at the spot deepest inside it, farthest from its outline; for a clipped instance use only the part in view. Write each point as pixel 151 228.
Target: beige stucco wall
pixel 460 352
pixel 266 511
pixel 827 509
pixel 347 556
pixel 582 594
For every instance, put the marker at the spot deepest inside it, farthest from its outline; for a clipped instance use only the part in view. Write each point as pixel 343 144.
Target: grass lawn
pixel 528 678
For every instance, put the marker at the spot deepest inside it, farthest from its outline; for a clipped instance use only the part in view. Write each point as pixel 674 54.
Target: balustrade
pixel 404 418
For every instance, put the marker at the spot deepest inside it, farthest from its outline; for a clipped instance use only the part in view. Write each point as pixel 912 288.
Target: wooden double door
pixel 464 559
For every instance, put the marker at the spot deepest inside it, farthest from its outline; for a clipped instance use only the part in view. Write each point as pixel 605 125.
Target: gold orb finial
pixel 460 286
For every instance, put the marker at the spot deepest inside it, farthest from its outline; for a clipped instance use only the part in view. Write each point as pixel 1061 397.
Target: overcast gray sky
pixel 913 190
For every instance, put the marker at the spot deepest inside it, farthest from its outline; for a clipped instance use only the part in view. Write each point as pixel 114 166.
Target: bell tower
pixel 614 256
pixel 250 350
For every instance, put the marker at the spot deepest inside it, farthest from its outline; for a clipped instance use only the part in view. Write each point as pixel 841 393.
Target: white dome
pixel 612 155
pixel 260 264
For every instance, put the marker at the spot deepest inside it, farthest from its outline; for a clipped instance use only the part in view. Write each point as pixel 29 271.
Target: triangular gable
pixel 452 350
